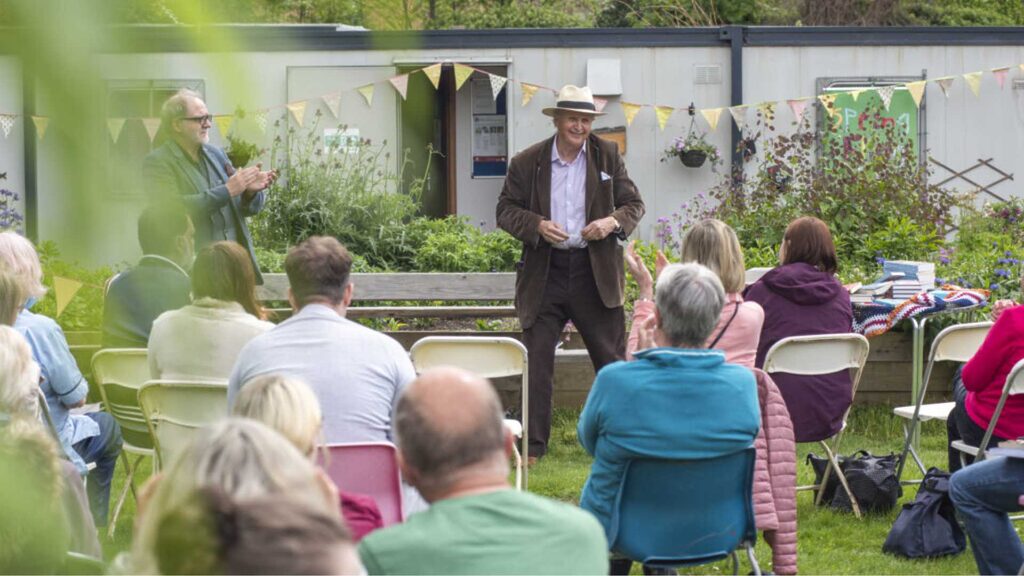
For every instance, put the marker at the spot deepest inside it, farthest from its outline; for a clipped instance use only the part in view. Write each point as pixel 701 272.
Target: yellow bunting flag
pixel 298 110
pixel 152 126
pixel 828 102
pixel 916 90
pixel 798 106
pixel 401 84
pixel 64 289
pixel 6 123
pixel 462 73
pixel 367 92
pixel 41 123
pixel 224 122
pixel 945 83
pixel 333 103
pixel 433 73
pixel 739 115
pixel 528 91
pixel 1000 74
pixel 855 94
pixel 973 80
pixel 663 113
pixel 115 125
pixel 711 116
pixel 767 108
pixel 629 110
pixel 497 83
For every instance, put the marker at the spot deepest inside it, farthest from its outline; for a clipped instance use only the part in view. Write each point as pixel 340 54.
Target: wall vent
pixel 707 74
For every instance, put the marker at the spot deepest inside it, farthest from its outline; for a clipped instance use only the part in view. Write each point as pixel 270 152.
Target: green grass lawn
pixel 829 542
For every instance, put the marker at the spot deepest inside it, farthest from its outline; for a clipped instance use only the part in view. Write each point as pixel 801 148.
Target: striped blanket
pixel 879 316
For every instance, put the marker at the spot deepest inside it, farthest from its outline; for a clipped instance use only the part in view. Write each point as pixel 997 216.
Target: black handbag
pixel 872 479
pixel 927 527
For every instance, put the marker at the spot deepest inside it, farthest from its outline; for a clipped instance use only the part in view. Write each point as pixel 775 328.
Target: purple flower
pixel 1002 273
pixel 943 260
pixel 993 287
pixel 1008 253
pixel 879 260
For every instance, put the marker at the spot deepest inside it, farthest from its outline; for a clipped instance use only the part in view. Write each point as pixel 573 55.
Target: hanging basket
pixel 693 158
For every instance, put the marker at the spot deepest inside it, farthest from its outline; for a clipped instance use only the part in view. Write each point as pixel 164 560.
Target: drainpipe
pixel 28 105
pixel 734 36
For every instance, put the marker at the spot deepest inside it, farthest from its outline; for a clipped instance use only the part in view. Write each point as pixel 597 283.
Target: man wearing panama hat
pixel 569 200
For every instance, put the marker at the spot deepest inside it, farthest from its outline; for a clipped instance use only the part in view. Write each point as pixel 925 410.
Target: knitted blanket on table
pixel 879 316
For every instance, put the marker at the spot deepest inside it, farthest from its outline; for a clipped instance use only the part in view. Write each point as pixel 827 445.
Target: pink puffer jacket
pixel 775 476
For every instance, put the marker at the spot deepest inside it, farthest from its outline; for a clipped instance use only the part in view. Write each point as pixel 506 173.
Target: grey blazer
pixel 168 173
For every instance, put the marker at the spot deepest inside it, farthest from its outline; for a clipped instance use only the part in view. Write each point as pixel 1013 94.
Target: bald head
pixel 447 422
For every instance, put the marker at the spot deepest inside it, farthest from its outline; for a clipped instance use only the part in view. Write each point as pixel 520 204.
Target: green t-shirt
pixel 503 532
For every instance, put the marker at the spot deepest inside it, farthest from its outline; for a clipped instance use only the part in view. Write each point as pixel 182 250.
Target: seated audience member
pixel 355 372
pixel 290 407
pixel 713 244
pixel 19 385
pixel 85 438
pixel 243 459
pixel 158 283
pixel 984 494
pixel 676 400
pixel 211 534
pixel 12 297
pixel 453 447
pixel 202 340
pixel 800 297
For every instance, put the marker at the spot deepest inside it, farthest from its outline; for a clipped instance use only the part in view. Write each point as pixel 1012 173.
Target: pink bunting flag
pixel 600 103
pixel 945 84
pixel 401 83
pixel 1000 74
pixel 798 106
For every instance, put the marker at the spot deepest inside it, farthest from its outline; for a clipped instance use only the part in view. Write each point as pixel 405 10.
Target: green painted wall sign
pixel 853 120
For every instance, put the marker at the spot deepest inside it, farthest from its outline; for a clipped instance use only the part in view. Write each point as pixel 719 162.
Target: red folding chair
pixel 370 469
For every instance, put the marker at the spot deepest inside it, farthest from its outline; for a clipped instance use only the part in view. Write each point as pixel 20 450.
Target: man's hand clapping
pixel 552 232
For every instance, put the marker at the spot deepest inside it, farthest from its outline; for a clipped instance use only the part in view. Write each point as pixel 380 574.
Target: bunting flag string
pixel 260 117
pixel 497 83
pixel 224 122
pixel 629 110
pixel 298 110
pixel 41 123
pixel 798 106
pixel 916 90
pixel 663 113
pixel 6 123
pixel 528 91
pixel 433 73
pixel 1000 74
pixel 333 103
pixel 64 289
pixel 739 116
pixel 401 84
pixel 152 126
pixel 711 116
pixel 945 83
pixel 367 93
pixel 973 80
pixel 462 73
pixel 114 126
pixel 885 93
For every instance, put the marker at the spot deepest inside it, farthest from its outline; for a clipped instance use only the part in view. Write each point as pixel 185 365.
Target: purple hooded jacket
pixel 799 300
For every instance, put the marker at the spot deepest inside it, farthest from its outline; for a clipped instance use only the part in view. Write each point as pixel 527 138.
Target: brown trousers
pixel 570 294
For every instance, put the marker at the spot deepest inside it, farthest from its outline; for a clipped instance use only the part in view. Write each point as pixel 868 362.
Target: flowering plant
pixel 692 142
pixel 10 217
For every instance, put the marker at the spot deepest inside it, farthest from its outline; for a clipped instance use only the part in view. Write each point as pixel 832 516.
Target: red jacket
pixel 985 375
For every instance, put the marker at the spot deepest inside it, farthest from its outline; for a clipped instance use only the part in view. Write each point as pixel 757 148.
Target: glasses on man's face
pixel 207 119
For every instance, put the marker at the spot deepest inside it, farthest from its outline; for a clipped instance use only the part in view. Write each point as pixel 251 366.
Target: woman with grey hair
pixel 677 400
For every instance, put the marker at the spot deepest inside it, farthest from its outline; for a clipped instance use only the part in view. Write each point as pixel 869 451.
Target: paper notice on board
pixel 489 139
pixel 483 96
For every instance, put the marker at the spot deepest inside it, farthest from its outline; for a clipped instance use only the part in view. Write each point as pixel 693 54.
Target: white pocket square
pixel 605 177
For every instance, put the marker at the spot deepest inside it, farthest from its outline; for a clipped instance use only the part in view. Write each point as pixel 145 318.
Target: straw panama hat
pixel 574 99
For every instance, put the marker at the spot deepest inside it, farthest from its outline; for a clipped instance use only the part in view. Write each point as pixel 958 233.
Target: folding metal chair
pixel 816 355
pixel 671 513
pixel 369 468
pixel 119 373
pixel 1014 385
pixel 958 344
pixel 487 357
pixel 176 409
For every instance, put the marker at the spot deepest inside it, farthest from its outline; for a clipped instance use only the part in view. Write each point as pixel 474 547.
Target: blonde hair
pixel 286 405
pixel 242 458
pixel 12 297
pixel 19 374
pixel 18 256
pixel 713 243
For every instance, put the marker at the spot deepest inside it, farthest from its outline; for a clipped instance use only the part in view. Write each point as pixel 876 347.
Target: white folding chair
pixel 487 357
pixel 958 344
pixel 176 409
pixel 817 355
pixel 752 275
pixel 119 372
pixel 1014 385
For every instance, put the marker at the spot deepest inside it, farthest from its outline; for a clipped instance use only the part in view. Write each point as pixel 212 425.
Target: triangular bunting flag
pixel 629 110
pixel 1000 74
pixel 528 91
pixel 64 289
pixel 115 125
pixel 739 115
pixel 41 123
pixel 6 123
pixel 828 103
pixel 224 122
pixel 367 92
pixel 260 117
pixel 711 116
pixel 663 113
pixel 798 106
pixel 152 126
pixel 497 83
pixel 974 82
pixel 945 83
pixel 401 83
pixel 885 93
pixel 462 73
pixel 298 110
pixel 855 94
pixel 433 73
pixel 333 103
pixel 1021 66
pixel 767 108
pixel 916 90
pixel 600 103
